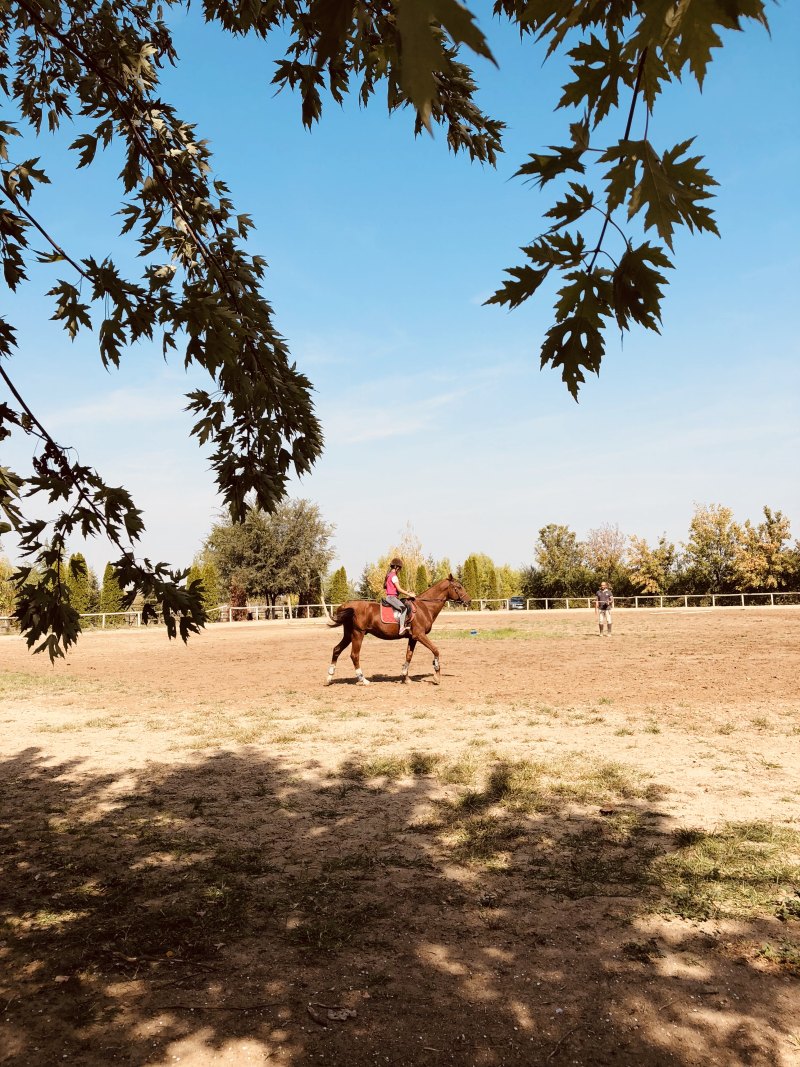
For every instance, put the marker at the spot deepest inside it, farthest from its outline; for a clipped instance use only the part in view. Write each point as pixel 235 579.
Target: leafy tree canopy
pixel 713 548
pixel 653 570
pixel 204 570
pixel 96 65
pixel 272 555
pixel 7 590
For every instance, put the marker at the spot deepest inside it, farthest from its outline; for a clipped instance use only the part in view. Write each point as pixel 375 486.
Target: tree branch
pixel 67 467
pixel 637 86
pixel 37 225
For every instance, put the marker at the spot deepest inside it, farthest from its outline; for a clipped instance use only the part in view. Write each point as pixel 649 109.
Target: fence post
pixel 661 602
pixel 713 600
pixel 742 599
pixel 686 601
pixel 772 599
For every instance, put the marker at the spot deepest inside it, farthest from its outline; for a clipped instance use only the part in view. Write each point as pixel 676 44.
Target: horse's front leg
pixel 412 644
pixel 436 665
pixel 355 656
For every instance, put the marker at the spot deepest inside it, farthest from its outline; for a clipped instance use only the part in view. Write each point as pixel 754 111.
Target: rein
pixel 427 600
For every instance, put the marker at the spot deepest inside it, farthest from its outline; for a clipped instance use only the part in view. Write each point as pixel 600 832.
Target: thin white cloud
pixel 123 407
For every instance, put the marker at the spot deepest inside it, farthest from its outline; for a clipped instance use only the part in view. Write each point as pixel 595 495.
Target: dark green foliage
pixel 422 580
pixel 339 587
pixel 470 578
pixel 270 555
pixel 111 595
pixel 81 584
pixel 204 570
pixel 561 562
pixel 364 590
pixel 623 56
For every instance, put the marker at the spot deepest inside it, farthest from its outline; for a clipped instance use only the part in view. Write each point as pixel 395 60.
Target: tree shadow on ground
pixel 232 908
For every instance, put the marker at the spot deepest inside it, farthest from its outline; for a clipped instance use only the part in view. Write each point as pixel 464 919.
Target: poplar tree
pixel 422 579
pixel 79 583
pixel 470 578
pixel 339 588
pixel 111 596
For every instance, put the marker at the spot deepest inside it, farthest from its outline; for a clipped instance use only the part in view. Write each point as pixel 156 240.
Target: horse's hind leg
pixel 347 637
pixel 355 656
pixel 412 644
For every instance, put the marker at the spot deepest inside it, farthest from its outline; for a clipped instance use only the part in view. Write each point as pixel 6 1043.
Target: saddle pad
pixel 388 613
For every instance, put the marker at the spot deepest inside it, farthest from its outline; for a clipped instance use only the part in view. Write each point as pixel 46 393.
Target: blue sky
pixel 382 249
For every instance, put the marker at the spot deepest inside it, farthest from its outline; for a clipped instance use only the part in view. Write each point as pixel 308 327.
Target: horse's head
pixel 456 591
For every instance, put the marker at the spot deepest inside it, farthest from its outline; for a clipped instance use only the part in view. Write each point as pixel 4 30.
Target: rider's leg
pixel 400 606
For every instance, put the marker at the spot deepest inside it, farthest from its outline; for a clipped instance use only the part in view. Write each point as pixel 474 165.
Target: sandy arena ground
pixel 575 850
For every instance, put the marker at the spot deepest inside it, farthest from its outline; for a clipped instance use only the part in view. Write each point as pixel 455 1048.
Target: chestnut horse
pixel 361 617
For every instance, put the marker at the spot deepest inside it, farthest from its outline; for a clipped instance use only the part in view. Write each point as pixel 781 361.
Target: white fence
pixel 265 612
pixel 256 612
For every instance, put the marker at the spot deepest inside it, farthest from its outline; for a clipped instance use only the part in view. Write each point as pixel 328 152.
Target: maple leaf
pixel 670 191
pixel 587 294
pixel 544 167
pixel 621 177
pixel 575 344
pixel 598 70
pixel 685 32
pixel 572 207
pixel 423 57
pixel 694 28
pixel 564 250
pixel 636 286
pixel 526 281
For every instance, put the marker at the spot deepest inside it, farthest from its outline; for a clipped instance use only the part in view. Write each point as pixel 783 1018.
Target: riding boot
pixel 402 621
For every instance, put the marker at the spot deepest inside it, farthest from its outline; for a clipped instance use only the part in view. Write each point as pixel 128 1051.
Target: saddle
pixel 390 614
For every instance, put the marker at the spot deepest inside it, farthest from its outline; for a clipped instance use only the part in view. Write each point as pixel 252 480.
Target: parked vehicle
pixel 516 603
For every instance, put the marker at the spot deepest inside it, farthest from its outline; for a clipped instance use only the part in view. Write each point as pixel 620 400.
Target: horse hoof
pixel 364 681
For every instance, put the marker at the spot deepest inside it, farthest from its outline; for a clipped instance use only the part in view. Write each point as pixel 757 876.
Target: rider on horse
pixel 393 591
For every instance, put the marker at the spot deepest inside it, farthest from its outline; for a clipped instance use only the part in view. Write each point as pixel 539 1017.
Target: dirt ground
pixel 575 850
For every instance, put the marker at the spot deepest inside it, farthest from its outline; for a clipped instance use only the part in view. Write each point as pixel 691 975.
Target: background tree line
pixel 286 556
pixel 719 556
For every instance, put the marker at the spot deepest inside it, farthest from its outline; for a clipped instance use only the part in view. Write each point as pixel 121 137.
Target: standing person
pixel 393 589
pixel 603 603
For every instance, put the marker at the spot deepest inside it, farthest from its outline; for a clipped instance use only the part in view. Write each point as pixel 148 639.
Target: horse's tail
pixel 343 615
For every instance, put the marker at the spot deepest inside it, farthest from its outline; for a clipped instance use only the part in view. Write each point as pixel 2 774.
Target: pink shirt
pixel 391 584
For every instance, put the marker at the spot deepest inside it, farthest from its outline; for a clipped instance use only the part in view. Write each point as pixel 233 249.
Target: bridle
pixel 445 598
